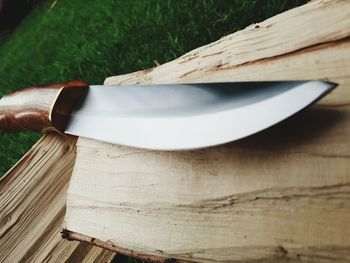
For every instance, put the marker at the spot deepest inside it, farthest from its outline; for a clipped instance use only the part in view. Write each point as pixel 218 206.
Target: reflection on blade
pixel 189 116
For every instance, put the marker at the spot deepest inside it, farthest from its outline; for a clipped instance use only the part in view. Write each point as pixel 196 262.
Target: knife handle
pixel 43 108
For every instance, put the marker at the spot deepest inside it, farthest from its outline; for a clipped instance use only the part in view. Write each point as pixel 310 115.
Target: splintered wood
pixel 282 195
pixel 279 196
pixel 32 207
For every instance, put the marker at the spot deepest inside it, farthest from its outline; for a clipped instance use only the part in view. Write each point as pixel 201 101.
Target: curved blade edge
pixel 200 130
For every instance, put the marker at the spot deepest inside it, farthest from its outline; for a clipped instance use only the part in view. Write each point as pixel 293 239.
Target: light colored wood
pixel 251 200
pixel 282 195
pixel 32 207
pixel 286 46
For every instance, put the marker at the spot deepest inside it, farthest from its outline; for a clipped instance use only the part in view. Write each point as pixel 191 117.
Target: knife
pixel 160 117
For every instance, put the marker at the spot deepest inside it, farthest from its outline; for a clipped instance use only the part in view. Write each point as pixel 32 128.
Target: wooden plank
pixel 278 196
pixel 32 207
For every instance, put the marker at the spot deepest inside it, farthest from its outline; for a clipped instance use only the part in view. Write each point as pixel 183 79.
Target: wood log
pixel 32 207
pixel 281 195
pixel 333 64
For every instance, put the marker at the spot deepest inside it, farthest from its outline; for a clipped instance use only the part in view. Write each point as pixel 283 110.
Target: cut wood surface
pixel 32 207
pixel 308 42
pixel 281 195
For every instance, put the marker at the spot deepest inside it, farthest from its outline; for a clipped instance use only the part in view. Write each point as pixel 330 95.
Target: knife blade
pixel 168 116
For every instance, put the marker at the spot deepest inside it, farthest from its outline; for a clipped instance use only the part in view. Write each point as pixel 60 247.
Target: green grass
pixel 91 40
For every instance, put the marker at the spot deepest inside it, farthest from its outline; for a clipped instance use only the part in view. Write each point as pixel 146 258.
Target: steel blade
pixel 189 116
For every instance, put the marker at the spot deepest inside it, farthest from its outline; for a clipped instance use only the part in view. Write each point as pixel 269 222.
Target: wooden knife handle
pixel 42 108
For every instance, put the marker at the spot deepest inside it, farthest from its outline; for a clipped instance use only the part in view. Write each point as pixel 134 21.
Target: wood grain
pixel 32 207
pixel 275 49
pixel 279 196
pixel 249 200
